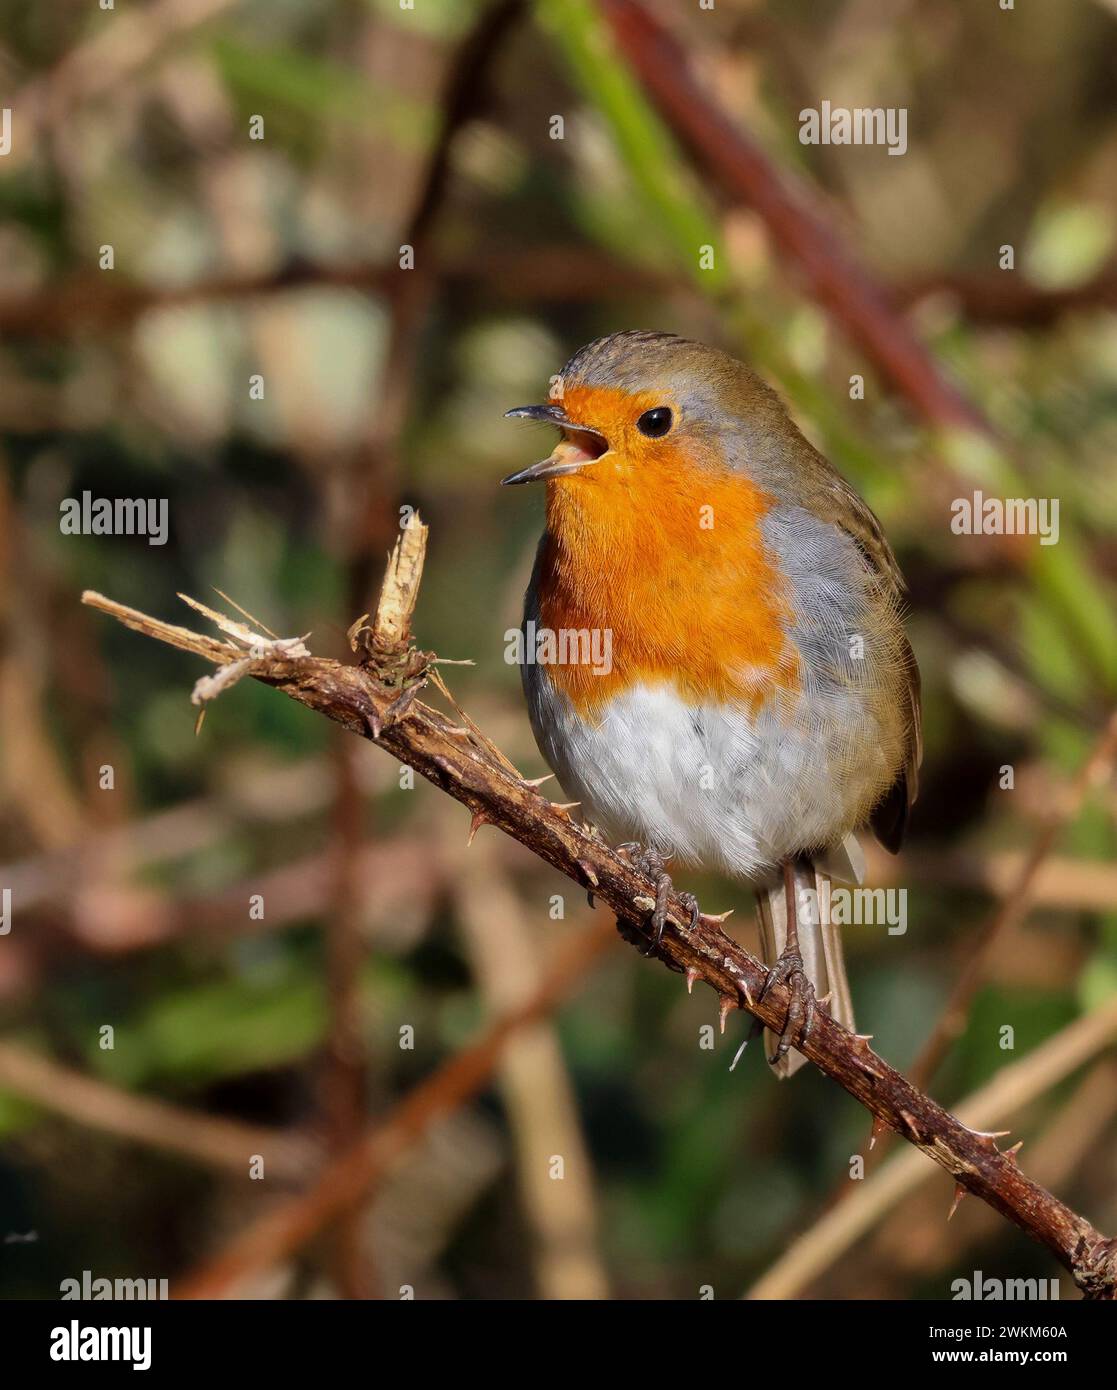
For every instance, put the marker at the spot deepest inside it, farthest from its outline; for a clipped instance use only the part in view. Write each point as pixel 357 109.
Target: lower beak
pixel 579 446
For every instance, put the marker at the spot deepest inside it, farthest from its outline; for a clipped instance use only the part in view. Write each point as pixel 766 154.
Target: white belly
pixel 712 784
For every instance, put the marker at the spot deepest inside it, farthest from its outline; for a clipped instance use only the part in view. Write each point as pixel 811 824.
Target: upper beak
pixel 568 454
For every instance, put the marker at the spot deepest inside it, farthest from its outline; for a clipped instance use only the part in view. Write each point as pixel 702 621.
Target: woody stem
pixel 462 763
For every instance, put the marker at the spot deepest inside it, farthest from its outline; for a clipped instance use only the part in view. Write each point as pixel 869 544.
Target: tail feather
pixel 820 944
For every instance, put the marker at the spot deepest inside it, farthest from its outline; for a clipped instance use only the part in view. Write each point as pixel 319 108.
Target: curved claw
pixel 801 1006
pixel 650 862
pixel 690 902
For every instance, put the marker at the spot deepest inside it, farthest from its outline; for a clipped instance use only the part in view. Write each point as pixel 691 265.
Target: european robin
pixel 759 703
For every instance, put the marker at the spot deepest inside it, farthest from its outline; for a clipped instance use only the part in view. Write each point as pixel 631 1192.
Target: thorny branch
pixel 1012 1089
pixel 378 699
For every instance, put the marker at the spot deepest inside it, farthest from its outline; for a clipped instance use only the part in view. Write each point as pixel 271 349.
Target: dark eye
pixel 655 423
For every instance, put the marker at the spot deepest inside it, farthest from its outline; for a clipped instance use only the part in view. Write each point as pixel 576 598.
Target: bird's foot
pixel 651 862
pixel 788 970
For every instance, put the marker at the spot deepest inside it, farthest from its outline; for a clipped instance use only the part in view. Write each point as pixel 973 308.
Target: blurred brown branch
pixel 348 1179
pixel 462 96
pixel 510 273
pixel 378 700
pixel 345 1078
pixel 1008 299
pixel 1097 769
pixel 208 1139
pixel 290 792
pixel 34 782
pixel 535 1083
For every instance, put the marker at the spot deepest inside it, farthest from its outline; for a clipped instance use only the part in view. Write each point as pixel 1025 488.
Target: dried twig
pixel 400 591
pixel 377 701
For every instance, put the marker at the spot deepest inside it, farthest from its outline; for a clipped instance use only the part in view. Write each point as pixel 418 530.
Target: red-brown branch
pixel 376 699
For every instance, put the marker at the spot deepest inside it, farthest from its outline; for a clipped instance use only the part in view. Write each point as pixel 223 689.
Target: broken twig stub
pixel 391 628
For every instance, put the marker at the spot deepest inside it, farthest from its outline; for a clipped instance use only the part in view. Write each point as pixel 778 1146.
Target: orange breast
pixel 668 558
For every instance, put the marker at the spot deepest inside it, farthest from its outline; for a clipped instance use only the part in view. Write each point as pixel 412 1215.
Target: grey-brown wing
pixel 805 477
pixel 889 820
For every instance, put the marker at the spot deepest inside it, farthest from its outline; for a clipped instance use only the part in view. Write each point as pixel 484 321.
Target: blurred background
pixel 294 949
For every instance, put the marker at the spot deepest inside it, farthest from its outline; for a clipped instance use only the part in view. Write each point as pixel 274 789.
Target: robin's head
pixel 644 404
pixel 655 496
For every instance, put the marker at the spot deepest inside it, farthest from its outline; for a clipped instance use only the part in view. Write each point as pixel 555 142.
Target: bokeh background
pixel 236 1033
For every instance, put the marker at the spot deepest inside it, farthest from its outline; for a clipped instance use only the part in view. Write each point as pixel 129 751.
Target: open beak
pixel 578 446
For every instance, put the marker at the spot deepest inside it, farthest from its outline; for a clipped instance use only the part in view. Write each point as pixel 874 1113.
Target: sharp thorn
pixel 691 976
pixel 879 1126
pixel 989 1137
pixel 864 1054
pixel 591 876
pixel 475 824
pixel 746 993
pixel 715 919
pixel 727 1003
pixel 537 781
pixel 959 1193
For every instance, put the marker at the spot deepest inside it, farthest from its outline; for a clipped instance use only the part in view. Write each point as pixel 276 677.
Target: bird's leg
pixel 649 861
pixel 788 970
